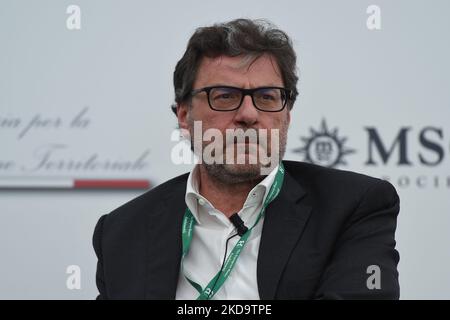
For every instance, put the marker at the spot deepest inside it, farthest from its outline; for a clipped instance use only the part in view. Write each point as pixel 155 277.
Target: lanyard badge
pixel 187 233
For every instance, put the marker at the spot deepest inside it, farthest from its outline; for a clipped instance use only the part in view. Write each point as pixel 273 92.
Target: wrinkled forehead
pixel 263 66
pixel 244 62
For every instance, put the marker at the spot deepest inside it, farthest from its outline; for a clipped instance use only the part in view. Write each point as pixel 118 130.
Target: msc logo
pixel 324 147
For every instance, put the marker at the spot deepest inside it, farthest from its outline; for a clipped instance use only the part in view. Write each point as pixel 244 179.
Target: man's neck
pixel 228 198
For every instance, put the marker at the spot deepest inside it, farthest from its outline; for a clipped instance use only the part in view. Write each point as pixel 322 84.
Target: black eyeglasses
pixel 225 98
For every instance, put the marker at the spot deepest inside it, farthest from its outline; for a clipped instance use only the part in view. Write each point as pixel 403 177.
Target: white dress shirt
pixel 211 232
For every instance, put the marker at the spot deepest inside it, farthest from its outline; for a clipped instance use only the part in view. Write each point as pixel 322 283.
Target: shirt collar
pixel 255 197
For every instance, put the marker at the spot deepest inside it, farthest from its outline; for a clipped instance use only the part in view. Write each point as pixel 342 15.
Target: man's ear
pixel 182 115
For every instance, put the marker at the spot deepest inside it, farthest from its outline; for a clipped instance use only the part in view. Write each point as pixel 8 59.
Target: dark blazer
pixel 321 233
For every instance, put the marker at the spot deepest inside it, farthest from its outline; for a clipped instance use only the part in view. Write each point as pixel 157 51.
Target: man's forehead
pixel 243 63
pixel 225 69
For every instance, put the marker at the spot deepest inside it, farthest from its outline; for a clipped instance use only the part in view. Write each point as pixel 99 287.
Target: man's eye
pixel 224 96
pixel 268 97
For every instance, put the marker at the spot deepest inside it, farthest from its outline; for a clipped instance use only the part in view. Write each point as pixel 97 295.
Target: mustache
pixel 247 135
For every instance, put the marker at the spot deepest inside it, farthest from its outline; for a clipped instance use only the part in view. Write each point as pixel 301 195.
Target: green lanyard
pixel 188 229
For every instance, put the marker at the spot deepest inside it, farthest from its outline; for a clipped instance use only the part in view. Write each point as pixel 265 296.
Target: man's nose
pixel 247 113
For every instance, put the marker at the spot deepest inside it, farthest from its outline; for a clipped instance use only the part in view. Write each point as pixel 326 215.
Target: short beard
pixel 228 174
pixel 231 174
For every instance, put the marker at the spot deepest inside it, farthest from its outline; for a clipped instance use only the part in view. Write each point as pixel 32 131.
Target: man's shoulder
pixel 309 171
pixel 151 200
pixel 331 181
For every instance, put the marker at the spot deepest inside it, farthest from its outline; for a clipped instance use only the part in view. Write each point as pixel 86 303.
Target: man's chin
pixel 244 170
pixel 234 173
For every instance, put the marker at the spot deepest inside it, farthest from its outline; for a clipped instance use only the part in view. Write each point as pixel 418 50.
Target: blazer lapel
pixel 284 221
pixel 164 244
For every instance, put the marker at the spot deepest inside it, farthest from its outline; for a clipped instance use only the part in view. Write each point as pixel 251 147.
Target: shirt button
pixel 201 202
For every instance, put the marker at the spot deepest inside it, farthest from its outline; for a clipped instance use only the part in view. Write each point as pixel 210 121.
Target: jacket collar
pixel 284 221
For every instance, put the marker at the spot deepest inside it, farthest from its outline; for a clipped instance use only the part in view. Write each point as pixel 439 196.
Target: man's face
pixel 244 73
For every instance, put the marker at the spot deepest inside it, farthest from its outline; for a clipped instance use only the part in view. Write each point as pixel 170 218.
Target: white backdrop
pixel 93 103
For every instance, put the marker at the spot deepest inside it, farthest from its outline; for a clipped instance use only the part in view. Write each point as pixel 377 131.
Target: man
pixel 229 231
